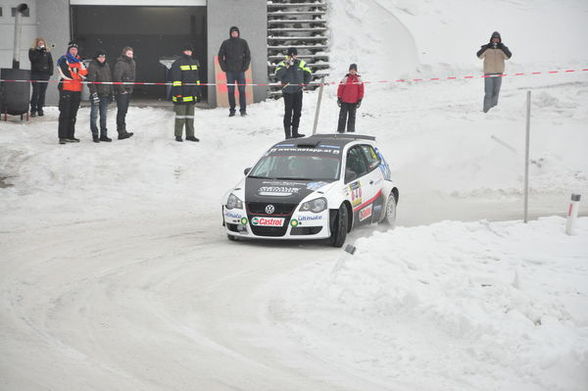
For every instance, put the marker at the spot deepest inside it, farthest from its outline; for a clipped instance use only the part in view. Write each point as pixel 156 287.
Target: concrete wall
pixel 48 19
pixel 251 18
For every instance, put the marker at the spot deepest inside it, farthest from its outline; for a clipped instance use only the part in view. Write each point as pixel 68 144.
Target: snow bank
pixel 452 306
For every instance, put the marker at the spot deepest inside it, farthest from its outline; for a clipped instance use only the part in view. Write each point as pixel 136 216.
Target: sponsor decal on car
pixel 233 215
pixel 365 212
pixel 280 191
pixel 315 185
pixel 244 221
pixel 294 223
pixel 310 218
pixel 384 167
pixel 267 221
pixel 355 189
pixel 316 151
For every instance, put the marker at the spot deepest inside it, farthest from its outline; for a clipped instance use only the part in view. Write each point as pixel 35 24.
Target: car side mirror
pixel 247 170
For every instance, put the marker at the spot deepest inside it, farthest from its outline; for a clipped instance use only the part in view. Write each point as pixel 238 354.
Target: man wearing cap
pixel 100 95
pixel 294 75
pixel 349 96
pixel 494 53
pixel 124 71
pixel 234 58
pixel 185 92
pixel 72 71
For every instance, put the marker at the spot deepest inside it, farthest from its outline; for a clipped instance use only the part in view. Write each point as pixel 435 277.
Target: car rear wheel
pixel 339 228
pixel 390 211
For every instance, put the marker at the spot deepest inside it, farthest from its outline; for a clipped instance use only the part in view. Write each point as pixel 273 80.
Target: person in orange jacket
pixel 72 72
pixel 349 96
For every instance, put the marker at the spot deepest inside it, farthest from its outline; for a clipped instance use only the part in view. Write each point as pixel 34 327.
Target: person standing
pixel 124 71
pixel 349 96
pixel 72 72
pixel 494 53
pixel 185 92
pixel 234 58
pixel 294 74
pixel 41 69
pixel 100 95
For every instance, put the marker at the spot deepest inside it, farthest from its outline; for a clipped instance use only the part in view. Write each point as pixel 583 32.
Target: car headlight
pixel 314 206
pixel 234 202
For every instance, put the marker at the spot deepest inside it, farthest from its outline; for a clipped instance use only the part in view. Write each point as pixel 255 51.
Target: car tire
pixel 339 228
pixel 390 211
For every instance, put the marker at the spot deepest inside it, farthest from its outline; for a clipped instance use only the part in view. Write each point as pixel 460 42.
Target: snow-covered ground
pixel 115 272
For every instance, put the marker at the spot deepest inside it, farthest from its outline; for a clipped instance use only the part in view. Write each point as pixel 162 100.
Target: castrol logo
pixel 267 221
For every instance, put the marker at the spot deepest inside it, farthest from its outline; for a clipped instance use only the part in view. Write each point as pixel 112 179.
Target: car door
pixel 375 179
pixel 358 186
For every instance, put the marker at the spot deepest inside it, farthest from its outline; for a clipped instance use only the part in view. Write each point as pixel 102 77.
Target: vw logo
pixel 270 209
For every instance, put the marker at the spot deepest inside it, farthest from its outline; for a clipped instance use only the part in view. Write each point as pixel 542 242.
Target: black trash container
pixel 15 96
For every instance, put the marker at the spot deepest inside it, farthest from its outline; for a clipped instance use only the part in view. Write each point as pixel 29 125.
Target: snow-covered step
pixel 302 56
pixel 297 29
pixel 296 5
pixel 283 13
pixel 295 21
pixel 287 38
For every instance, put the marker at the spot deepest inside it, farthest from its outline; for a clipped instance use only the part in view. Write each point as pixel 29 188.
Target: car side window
pixel 371 156
pixel 356 164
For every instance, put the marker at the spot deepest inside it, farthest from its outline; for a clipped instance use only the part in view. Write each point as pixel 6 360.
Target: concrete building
pixel 155 29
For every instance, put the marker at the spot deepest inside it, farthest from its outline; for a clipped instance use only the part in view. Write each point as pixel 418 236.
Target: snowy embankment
pixel 451 306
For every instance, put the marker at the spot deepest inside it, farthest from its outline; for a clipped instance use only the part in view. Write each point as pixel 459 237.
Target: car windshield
pixel 309 166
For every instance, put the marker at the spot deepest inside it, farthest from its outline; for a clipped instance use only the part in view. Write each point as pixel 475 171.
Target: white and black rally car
pixel 317 187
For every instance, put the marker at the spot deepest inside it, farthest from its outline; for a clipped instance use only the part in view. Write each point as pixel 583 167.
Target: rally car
pixel 317 187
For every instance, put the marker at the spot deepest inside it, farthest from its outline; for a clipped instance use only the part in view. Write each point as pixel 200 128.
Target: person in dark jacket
pixel 349 96
pixel 234 58
pixel 124 71
pixel 493 53
pixel 41 69
pixel 293 74
pixel 100 95
pixel 72 72
pixel 185 92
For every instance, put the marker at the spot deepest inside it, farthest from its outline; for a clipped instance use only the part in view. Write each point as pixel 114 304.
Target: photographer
pixel 494 53
pixel 100 95
pixel 294 74
pixel 41 69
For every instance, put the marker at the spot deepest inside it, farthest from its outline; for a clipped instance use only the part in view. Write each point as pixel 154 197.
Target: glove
pixel 494 45
pixel 339 102
pixel 358 104
pixel 94 98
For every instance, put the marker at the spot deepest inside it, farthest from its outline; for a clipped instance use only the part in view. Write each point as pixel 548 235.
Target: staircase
pixel 301 24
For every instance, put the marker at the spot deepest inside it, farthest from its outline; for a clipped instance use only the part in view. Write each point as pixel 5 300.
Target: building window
pixel 26 12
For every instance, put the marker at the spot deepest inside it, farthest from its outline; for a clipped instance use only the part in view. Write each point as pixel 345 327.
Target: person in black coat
pixel 41 69
pixel 185 92
pixel 100 95
pixel 294 75
pixel 234 58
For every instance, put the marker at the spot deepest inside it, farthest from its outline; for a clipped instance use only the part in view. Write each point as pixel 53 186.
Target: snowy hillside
pixel 115 272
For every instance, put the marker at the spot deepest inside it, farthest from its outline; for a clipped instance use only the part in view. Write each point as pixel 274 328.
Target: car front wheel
pixel 339 228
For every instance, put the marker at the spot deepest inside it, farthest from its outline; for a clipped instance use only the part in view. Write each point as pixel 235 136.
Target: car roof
pixel 337 139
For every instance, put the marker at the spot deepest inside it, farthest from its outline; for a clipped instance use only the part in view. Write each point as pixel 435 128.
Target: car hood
pixel 280 191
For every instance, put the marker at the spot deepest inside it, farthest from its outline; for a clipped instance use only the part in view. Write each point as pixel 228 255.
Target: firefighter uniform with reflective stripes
pixel 185 92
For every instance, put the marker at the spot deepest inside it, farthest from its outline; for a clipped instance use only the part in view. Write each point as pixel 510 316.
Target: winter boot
pixel 295 134
pixel 288 132
pixel 95 138
pixel 192 138
pixel 179 139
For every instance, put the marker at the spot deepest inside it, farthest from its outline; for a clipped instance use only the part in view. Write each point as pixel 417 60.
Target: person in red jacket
pixel 72 72
pixel 349 96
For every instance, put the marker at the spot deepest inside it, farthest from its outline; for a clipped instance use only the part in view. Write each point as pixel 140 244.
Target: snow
pixel 116 274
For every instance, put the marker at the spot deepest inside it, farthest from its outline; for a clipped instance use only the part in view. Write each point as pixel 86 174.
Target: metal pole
pixel 528 136
pixel 318 105
pixel 17 33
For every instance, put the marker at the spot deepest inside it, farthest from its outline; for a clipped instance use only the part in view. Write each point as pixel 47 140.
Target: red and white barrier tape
pixel 315 83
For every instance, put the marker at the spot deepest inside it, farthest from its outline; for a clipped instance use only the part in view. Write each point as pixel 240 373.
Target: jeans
pixel 122 106
pixel 347 114
pixel 491 91
pixel 101 107
pixel 184 116
pixel 69 103
pixel 238 77
pixel 39 89
pixel 292 111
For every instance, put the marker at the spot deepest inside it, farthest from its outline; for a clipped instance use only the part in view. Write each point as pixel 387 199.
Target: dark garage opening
pixel 153 33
